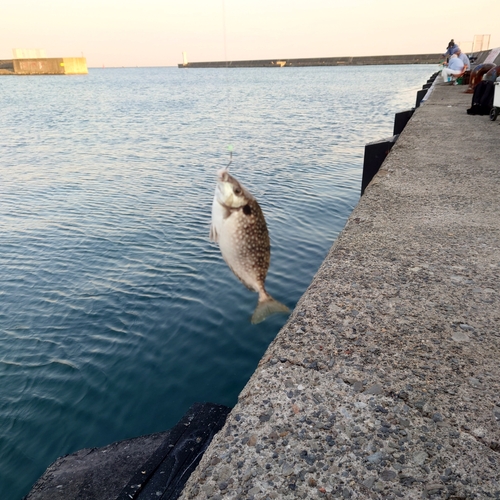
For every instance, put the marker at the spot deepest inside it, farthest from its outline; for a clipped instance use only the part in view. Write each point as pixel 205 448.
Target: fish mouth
pixel 222 174
pixel 219 191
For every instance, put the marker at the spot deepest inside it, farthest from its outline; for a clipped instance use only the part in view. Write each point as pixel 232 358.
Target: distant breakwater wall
pixel 321 61
pixel 44 66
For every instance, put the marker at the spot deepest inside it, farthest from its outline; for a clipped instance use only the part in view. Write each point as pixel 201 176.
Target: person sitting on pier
pixel 455 69
pixel 465 59
pixel 449 50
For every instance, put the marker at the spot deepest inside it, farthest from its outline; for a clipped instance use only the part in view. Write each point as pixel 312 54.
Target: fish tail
pixel 267 306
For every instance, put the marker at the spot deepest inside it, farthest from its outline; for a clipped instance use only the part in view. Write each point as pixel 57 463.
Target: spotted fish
pixel 239 227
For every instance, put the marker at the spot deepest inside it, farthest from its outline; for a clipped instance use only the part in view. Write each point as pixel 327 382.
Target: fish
pixel 239 227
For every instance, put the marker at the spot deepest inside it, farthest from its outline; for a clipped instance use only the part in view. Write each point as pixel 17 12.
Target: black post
pixel 401 119
pixel 375 154
pixel 420 96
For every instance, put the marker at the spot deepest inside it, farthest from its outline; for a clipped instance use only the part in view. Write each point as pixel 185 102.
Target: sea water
pixel 116 312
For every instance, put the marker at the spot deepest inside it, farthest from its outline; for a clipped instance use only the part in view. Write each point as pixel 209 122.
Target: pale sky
pixel 156 32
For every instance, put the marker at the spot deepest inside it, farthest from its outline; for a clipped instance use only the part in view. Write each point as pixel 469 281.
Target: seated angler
pixel 463 56
pixel 454 69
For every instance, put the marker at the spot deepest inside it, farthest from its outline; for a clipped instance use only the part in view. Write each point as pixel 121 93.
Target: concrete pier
pixel 320 61
pixel 385 381
pixel 44 66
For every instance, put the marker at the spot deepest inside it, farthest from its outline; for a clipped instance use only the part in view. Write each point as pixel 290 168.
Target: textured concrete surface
pixel 385 382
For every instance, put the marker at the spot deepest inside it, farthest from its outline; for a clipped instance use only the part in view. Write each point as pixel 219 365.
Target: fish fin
pixel 267 307
pixel 213 234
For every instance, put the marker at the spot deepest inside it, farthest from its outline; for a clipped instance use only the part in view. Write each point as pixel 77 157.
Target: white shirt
pixel 455 63
pixel 464 59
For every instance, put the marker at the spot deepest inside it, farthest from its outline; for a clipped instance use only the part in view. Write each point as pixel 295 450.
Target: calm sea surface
pixel 116 312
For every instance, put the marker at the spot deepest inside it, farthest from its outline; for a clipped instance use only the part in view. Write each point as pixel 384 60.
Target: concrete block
pixel 401 119
pixel 375 154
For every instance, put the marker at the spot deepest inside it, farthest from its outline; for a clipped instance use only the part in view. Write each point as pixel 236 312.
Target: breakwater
pixel 44 66
pixel 321 61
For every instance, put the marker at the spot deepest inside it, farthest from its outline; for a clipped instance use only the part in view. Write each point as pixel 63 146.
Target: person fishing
pixel 449 50
pixel 453 69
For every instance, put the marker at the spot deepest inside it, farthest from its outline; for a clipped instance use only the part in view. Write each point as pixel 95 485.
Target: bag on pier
pixel 482 99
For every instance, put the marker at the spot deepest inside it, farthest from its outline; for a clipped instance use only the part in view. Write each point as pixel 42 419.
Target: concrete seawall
pixel 45 66
pixel 385 381
pixel 321 61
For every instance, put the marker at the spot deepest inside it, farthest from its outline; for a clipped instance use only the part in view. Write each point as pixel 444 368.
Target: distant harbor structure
pixel 29 53
pixel 36 62
pixel 318 61
pixel 480 43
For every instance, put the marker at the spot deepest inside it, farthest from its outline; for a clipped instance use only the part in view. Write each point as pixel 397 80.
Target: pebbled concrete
pixel 385 381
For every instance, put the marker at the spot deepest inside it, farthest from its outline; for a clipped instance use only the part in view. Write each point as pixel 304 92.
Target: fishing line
pixel 224 29
pixel 228 93
pixel 230 148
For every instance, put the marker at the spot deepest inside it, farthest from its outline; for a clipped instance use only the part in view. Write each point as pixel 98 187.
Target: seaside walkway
pixel 385 381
